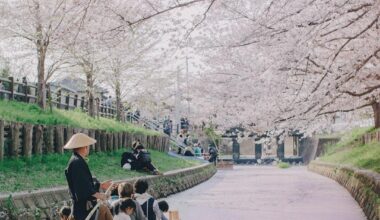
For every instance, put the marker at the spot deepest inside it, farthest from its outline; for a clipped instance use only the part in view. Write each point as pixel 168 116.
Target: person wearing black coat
pixel 82 189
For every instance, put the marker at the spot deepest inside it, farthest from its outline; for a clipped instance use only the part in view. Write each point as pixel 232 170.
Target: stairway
pixel 156 126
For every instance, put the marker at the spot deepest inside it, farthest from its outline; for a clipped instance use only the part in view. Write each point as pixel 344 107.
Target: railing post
pixel 26 99
pixel 82 103
pixel 76 100
pixel 101 108
pixel 59 93
pixel 48 97
pixel 97 107
pixel 68 102
pixel 12 96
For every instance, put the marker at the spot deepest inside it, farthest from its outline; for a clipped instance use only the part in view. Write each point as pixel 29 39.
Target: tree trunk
pixel 118 101
pixel 90 94
pixel 41 96
pixel 376 113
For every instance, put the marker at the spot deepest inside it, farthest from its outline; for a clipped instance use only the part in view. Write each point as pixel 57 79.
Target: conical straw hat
pixel 79 140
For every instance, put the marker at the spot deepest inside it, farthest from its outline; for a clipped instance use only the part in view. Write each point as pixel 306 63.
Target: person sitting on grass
pixel 148 204
pixel 164 207
pixel 134 145
pixel 144 161
pixel 124 210
pixel 128 161
pixel 138 160
pixel 125 191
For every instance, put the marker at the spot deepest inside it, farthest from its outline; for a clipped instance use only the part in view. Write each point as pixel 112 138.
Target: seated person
pixel 164 207
pixel 144 161
pixel 197 150
pixel 64 213
pixel 148 204
pixel 189 151
pixel 134 145
pixel 125 191
pixel 124 210
pixel 128 161
pixel 139 160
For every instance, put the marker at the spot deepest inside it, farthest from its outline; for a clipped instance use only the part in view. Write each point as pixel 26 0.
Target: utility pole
pixel 177 103
pixel 188 88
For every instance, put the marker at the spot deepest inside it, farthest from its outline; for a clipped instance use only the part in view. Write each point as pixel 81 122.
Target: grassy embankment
pixel 350 151
pixel 48 170
pixel 31 113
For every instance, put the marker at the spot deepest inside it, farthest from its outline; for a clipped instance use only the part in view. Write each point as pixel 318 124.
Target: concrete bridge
pixel 267 192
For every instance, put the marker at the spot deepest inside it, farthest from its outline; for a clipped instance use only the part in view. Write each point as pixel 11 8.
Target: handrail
pixel 155 126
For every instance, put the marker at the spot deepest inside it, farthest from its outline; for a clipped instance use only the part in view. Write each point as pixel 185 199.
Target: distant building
pixel 77 86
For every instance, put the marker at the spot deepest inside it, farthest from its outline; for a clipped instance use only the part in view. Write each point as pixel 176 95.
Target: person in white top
pixel 148 204
pixel 124 210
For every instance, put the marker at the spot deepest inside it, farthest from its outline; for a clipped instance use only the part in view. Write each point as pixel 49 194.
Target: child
pixel 64 213
pixel 124 210
pixel 148 204
pixel 164 207
pixel 125 191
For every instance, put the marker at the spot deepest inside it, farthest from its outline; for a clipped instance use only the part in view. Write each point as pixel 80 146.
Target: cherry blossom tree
pixel 41 25
pixel 290 63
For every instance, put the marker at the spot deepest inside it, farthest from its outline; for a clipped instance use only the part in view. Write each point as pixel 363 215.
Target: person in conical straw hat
pixel 81 185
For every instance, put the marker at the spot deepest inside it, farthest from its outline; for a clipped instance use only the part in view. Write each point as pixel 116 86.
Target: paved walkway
pixel 266 193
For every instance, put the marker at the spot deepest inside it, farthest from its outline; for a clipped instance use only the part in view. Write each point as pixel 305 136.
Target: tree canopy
pixel 284 64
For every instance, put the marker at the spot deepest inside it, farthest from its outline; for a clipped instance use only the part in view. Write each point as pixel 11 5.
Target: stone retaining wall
pixel 363 185
pixel 43 204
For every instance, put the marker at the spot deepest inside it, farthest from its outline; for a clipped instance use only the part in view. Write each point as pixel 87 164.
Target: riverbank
pixel 13 111
pixel 352 151
pixel 47 171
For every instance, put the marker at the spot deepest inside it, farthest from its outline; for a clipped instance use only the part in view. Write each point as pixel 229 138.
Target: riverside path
pixel 266 193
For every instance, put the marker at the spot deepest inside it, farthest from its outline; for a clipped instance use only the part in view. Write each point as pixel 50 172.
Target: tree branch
pixel 345 110
pixel 201 21
pixel 369 90
pixel 342 47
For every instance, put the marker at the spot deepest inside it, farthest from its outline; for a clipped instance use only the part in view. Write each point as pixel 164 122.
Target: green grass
pixel 349 151
pixel 283 165
pixel 347 139
pixel 31 113
pixel 48 170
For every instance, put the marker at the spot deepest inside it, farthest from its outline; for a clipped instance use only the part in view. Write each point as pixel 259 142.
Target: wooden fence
pixel 27 92
pixel 21 139
pixel 370 137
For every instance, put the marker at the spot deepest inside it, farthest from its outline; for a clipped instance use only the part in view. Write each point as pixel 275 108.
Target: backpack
pixel 147 208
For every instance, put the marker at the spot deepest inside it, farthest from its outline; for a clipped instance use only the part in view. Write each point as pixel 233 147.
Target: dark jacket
pixel 81 186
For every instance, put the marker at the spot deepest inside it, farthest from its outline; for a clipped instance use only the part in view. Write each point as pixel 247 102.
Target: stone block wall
pixel 363 185
pixel 43 204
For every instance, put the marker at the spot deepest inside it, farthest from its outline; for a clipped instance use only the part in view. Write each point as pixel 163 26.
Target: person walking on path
pixel 81 185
